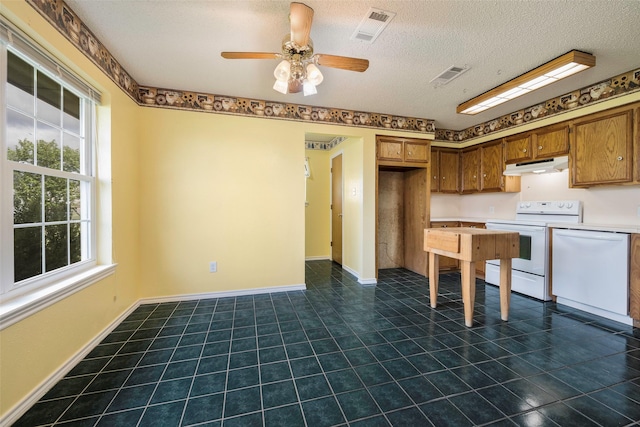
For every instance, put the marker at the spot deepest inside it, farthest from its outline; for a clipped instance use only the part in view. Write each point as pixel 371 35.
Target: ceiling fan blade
pixel 249 55
pixel 301 17
pixel 343 62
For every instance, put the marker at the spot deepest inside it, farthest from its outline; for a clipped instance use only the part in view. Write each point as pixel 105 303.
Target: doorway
pixel 336 209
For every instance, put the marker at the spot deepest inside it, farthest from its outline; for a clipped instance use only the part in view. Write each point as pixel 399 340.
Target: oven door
pixel 533 247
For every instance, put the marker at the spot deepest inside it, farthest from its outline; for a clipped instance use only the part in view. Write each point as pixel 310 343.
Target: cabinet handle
pixel 435 177
pixel 524 150
pixel 409 152
pixel 539 147
pixel 443 177
pixel 619 158
pixel 484 175
pixel 398 152
pixel 474 177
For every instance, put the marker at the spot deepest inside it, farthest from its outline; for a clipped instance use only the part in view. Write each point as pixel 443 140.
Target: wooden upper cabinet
pixel 551 142
pixel 402 150
pixel 470 161
pixel 518 149
pixel 491 167
pixel 435 171
pixel 602 149
pixel 449 168
pixel 390 149
pixel 416 152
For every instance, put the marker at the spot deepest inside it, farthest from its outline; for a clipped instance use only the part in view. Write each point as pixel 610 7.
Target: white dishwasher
pixel 590 271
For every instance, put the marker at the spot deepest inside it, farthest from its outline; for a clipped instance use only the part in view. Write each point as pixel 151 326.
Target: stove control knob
pixel 522 205
pixel 569 205
pixel 560 204
pixel 528 205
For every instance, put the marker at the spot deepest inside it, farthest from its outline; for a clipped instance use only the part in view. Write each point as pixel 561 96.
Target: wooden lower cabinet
pixel 634 280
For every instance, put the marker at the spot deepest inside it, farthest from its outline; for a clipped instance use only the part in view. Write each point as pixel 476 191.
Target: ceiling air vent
pixel 447 75
pixel 372 25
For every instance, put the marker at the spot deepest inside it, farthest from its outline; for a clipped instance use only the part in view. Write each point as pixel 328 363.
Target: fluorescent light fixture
pixel 563 66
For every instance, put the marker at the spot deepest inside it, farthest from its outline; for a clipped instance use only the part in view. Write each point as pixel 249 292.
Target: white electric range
pixel 530 272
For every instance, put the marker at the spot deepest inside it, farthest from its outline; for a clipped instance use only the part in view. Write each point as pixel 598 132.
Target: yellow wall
pixel 33 349
pixel 318 211
pixel 184 189
pixel 219 188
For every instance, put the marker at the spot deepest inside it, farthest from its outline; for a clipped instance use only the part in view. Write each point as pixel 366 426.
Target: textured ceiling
pixel 176 45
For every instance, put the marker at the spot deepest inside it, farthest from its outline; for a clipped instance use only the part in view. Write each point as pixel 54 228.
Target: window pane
pixel 75 245
pixel 19 137
pixel 56 254
pixel 55 199
pixel 74 200
pixel 20 87
pixel 48 146
pixel 49 97
pixel 27 252
pixel 71 153
pixel 27 197
pixel 71 108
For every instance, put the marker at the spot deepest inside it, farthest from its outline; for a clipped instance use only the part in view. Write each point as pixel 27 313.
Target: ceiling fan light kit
pixel 563 66
pixel 298 71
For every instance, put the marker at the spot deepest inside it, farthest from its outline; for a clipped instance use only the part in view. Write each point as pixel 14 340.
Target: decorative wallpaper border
pixel 316 145
pixel 64 19
pixel 616 86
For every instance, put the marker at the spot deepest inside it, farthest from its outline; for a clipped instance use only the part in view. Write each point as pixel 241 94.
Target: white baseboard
pixel 366 282
pixel 223 294
pixel 36 394
pixel 318 258
pixel 13 414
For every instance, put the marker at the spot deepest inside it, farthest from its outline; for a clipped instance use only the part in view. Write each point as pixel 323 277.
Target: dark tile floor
pixel 343 354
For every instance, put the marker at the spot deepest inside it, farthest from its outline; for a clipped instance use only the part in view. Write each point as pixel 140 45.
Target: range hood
pixel 537 166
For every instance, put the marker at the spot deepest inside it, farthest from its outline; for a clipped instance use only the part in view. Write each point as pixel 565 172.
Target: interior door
pixel 336 209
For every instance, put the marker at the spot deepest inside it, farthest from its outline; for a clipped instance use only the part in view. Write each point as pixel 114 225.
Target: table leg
pixel 468 273
pixel 505 287
pixel 433 278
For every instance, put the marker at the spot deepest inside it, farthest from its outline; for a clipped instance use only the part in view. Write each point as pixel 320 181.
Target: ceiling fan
pixel 298 70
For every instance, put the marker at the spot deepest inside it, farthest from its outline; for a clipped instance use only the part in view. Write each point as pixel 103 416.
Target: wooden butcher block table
pixel 471 245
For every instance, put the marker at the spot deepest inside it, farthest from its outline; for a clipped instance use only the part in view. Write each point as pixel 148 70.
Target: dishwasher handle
pixel 613 238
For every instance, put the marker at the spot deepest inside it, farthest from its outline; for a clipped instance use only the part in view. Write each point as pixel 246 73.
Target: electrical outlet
pixel 213 266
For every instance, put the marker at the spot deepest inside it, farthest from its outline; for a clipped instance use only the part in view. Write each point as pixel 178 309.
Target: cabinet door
pixel 518 149
pixel 491 167
pixel 390 150
pixel 449 171
pixel 416 152
pixel 470 170
pixel 602 150
pixel 435 171
pixel 551 143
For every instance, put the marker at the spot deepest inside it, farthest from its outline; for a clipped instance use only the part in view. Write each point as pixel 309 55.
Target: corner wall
pixel 37 347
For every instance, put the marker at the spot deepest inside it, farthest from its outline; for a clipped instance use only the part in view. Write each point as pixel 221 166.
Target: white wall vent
pixel 372 25
pixel 447 75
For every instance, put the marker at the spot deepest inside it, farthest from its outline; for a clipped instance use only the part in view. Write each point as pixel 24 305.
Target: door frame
pixel 334 155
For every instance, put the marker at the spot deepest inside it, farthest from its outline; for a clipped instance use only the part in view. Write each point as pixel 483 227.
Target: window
pixel 48 180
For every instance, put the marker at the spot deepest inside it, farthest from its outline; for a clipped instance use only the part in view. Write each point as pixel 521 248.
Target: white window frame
pixel 21 299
